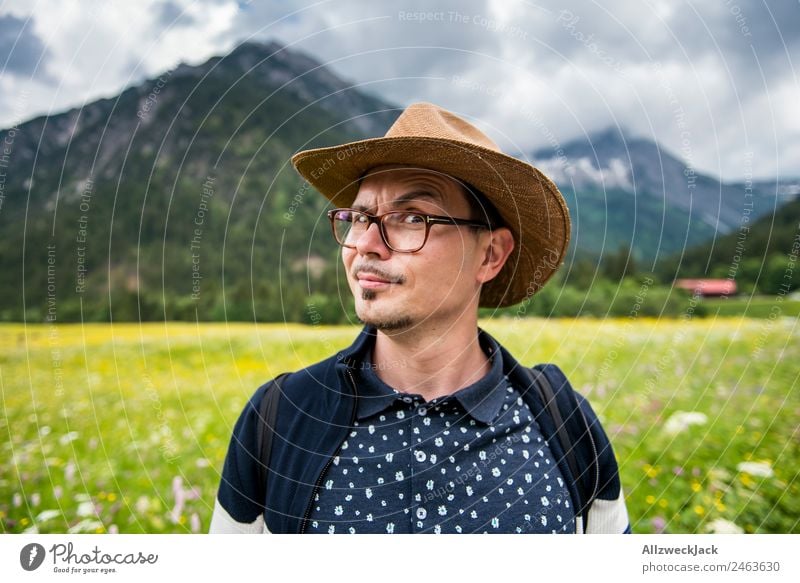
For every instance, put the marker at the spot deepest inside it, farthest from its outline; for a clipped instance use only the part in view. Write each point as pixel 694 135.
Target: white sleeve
pixel 223 523
pixel 608 516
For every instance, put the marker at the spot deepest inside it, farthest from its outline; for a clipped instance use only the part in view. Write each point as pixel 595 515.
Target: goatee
pixel 401 323
pixel 385 325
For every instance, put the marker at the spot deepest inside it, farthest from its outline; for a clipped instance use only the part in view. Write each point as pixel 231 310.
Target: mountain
pixel 176 198
pixel 625 191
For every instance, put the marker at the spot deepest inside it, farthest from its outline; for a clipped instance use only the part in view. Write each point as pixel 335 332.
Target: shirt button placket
pixel 420 476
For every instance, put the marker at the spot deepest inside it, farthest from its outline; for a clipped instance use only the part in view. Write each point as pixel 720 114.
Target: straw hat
pixel 427 136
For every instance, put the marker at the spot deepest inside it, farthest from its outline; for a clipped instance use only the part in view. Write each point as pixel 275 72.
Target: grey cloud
pixel 746 40
pixel 21 51
pixel 171 14
pixel 576 76
pixel 380 42
pixel 749 40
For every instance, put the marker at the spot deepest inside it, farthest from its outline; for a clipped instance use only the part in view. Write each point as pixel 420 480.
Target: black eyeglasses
pixel 401 231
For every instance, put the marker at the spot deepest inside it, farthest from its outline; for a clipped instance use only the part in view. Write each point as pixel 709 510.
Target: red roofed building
pixel 708 287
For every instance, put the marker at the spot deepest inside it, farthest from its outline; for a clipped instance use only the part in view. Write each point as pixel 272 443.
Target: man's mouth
pixel 371 280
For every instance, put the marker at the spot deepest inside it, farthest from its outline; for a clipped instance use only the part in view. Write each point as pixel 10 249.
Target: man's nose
pixel 372 242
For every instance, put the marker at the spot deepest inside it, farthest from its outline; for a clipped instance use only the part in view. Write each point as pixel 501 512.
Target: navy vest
pixel 317 409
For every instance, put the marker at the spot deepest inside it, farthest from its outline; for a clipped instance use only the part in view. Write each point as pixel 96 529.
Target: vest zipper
pixel 596 469
pixel 307 513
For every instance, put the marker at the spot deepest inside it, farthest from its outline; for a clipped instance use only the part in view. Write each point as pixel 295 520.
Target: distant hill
pixel 629 192
pixel 762 256
pixel 177 187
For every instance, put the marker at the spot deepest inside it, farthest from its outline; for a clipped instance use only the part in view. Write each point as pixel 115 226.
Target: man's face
pixel 435 285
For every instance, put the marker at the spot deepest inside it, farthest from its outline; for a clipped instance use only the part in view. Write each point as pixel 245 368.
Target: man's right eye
pixel 345 216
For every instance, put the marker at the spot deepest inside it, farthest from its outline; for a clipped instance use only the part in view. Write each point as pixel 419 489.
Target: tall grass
pixel 124 428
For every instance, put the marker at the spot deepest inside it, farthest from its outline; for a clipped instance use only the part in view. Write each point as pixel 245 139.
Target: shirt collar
pixel 482 399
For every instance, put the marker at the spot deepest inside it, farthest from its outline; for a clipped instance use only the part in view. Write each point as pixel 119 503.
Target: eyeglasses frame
pixel 378 219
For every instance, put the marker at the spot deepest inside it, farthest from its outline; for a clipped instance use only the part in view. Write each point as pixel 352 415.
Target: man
pixel 426 424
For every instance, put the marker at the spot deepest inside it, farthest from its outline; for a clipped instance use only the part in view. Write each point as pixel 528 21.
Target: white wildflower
pixel 722 526
pixel 681 420
pixel 761 469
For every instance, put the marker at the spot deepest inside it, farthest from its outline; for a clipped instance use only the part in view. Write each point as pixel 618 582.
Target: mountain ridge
pixel 131 172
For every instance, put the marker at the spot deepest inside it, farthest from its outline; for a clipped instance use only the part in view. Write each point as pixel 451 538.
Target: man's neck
pixel 432 362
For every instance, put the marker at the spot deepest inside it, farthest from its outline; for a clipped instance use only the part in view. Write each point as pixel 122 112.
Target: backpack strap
pixel 548 397
pixel 267 415
pixel 571 430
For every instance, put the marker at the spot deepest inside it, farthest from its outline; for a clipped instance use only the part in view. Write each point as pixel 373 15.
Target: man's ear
pixel 499 245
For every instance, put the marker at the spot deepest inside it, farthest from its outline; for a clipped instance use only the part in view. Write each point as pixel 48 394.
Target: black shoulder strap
pixel 572 431
pixel 267 415
pixel 548 397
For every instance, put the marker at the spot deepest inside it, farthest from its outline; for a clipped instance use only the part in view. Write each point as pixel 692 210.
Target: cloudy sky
pixel 715 82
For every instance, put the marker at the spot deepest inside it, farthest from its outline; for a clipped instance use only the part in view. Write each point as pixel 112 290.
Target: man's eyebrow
pixel 415 194
pixel 405 199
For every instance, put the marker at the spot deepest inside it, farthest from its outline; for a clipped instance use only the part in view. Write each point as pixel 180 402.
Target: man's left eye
pixel 410 219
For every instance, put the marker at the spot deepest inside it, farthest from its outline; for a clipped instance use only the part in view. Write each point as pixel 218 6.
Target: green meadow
pixel 124 427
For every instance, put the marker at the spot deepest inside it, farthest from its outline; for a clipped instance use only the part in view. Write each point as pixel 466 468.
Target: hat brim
pixel 529 202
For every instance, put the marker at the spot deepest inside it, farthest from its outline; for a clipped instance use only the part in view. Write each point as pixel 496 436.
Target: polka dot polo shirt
pixel 471 462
